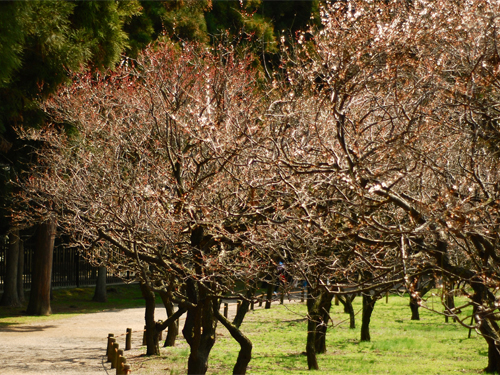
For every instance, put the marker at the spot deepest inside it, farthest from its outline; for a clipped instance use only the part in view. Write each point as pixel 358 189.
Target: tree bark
pixel 173 328
pixel 245 304
pixel 313 319
pixel 269 295
pixel 348 309
pixel 199 329
pixel 324 312
pixel 415 315
pixel 100 294
pixel 368 306
pixel 245 353
pixel 39 303
pixel 20 273
pixel 10 295
pixel 152 334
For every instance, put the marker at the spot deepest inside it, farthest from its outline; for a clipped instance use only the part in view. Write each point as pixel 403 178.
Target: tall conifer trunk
pixel 39 303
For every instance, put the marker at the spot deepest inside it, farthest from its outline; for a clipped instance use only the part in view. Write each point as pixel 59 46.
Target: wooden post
pixel 144 342
pixel 110 345
pixel 282 297
pixel 252 307
pixel 261 298
pixel 120 360
pixel 238 305
pixel 226 309
pixel 302 295
pixel 128 339
pixel 126 369
pixel 387 297
pixel 114 352
pixel 336 300
pixel 160 336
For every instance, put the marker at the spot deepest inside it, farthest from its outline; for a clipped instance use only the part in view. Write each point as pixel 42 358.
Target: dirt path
pixel 74 345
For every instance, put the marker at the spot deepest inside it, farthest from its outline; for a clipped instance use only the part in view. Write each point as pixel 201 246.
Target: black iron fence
pixel 69 269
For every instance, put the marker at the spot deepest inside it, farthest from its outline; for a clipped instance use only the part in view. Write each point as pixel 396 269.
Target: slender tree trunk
pixel 269 295
pixel 245 304
pixel 100 294
pixel 368 306
pixel 245 353
pixel 10 295
pixel 152 335
pixel 324 312
pixel 349 309
pixel 313 319
pixel 450 304
pixel 173 328
pixel 20 273
pixel 39 303
pixel 415 315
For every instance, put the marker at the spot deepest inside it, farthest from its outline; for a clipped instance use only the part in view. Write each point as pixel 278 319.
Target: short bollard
pixel 336 300
pixel 226 310
pixel 128 339
pixel 261 298
pixel 115 355
pixel 252 307
pixel 282 297
pixel 110 344
pixel 120 360
pixel 126 370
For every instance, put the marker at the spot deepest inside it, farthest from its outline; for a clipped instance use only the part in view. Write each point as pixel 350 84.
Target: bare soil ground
pixel 74 345
pixel 77 345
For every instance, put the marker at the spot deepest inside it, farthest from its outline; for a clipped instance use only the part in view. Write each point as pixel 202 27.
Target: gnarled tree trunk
pixel 200 326
pixel 245 353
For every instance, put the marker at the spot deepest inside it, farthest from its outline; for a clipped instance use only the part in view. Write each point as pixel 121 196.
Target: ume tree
pixel 142 167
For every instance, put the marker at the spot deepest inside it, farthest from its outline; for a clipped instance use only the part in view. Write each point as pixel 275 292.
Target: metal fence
pixel 69 269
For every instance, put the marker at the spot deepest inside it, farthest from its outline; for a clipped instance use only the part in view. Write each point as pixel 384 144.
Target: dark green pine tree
pixel 40 41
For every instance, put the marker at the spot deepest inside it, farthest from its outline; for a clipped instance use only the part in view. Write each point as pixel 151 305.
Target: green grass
pixel 67 302
pixel 398 345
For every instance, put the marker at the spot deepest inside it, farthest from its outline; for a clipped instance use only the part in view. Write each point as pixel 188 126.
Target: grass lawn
pixel 398 346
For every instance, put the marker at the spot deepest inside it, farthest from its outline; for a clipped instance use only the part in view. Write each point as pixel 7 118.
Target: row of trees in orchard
pixel 368 160
pixel 41 42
